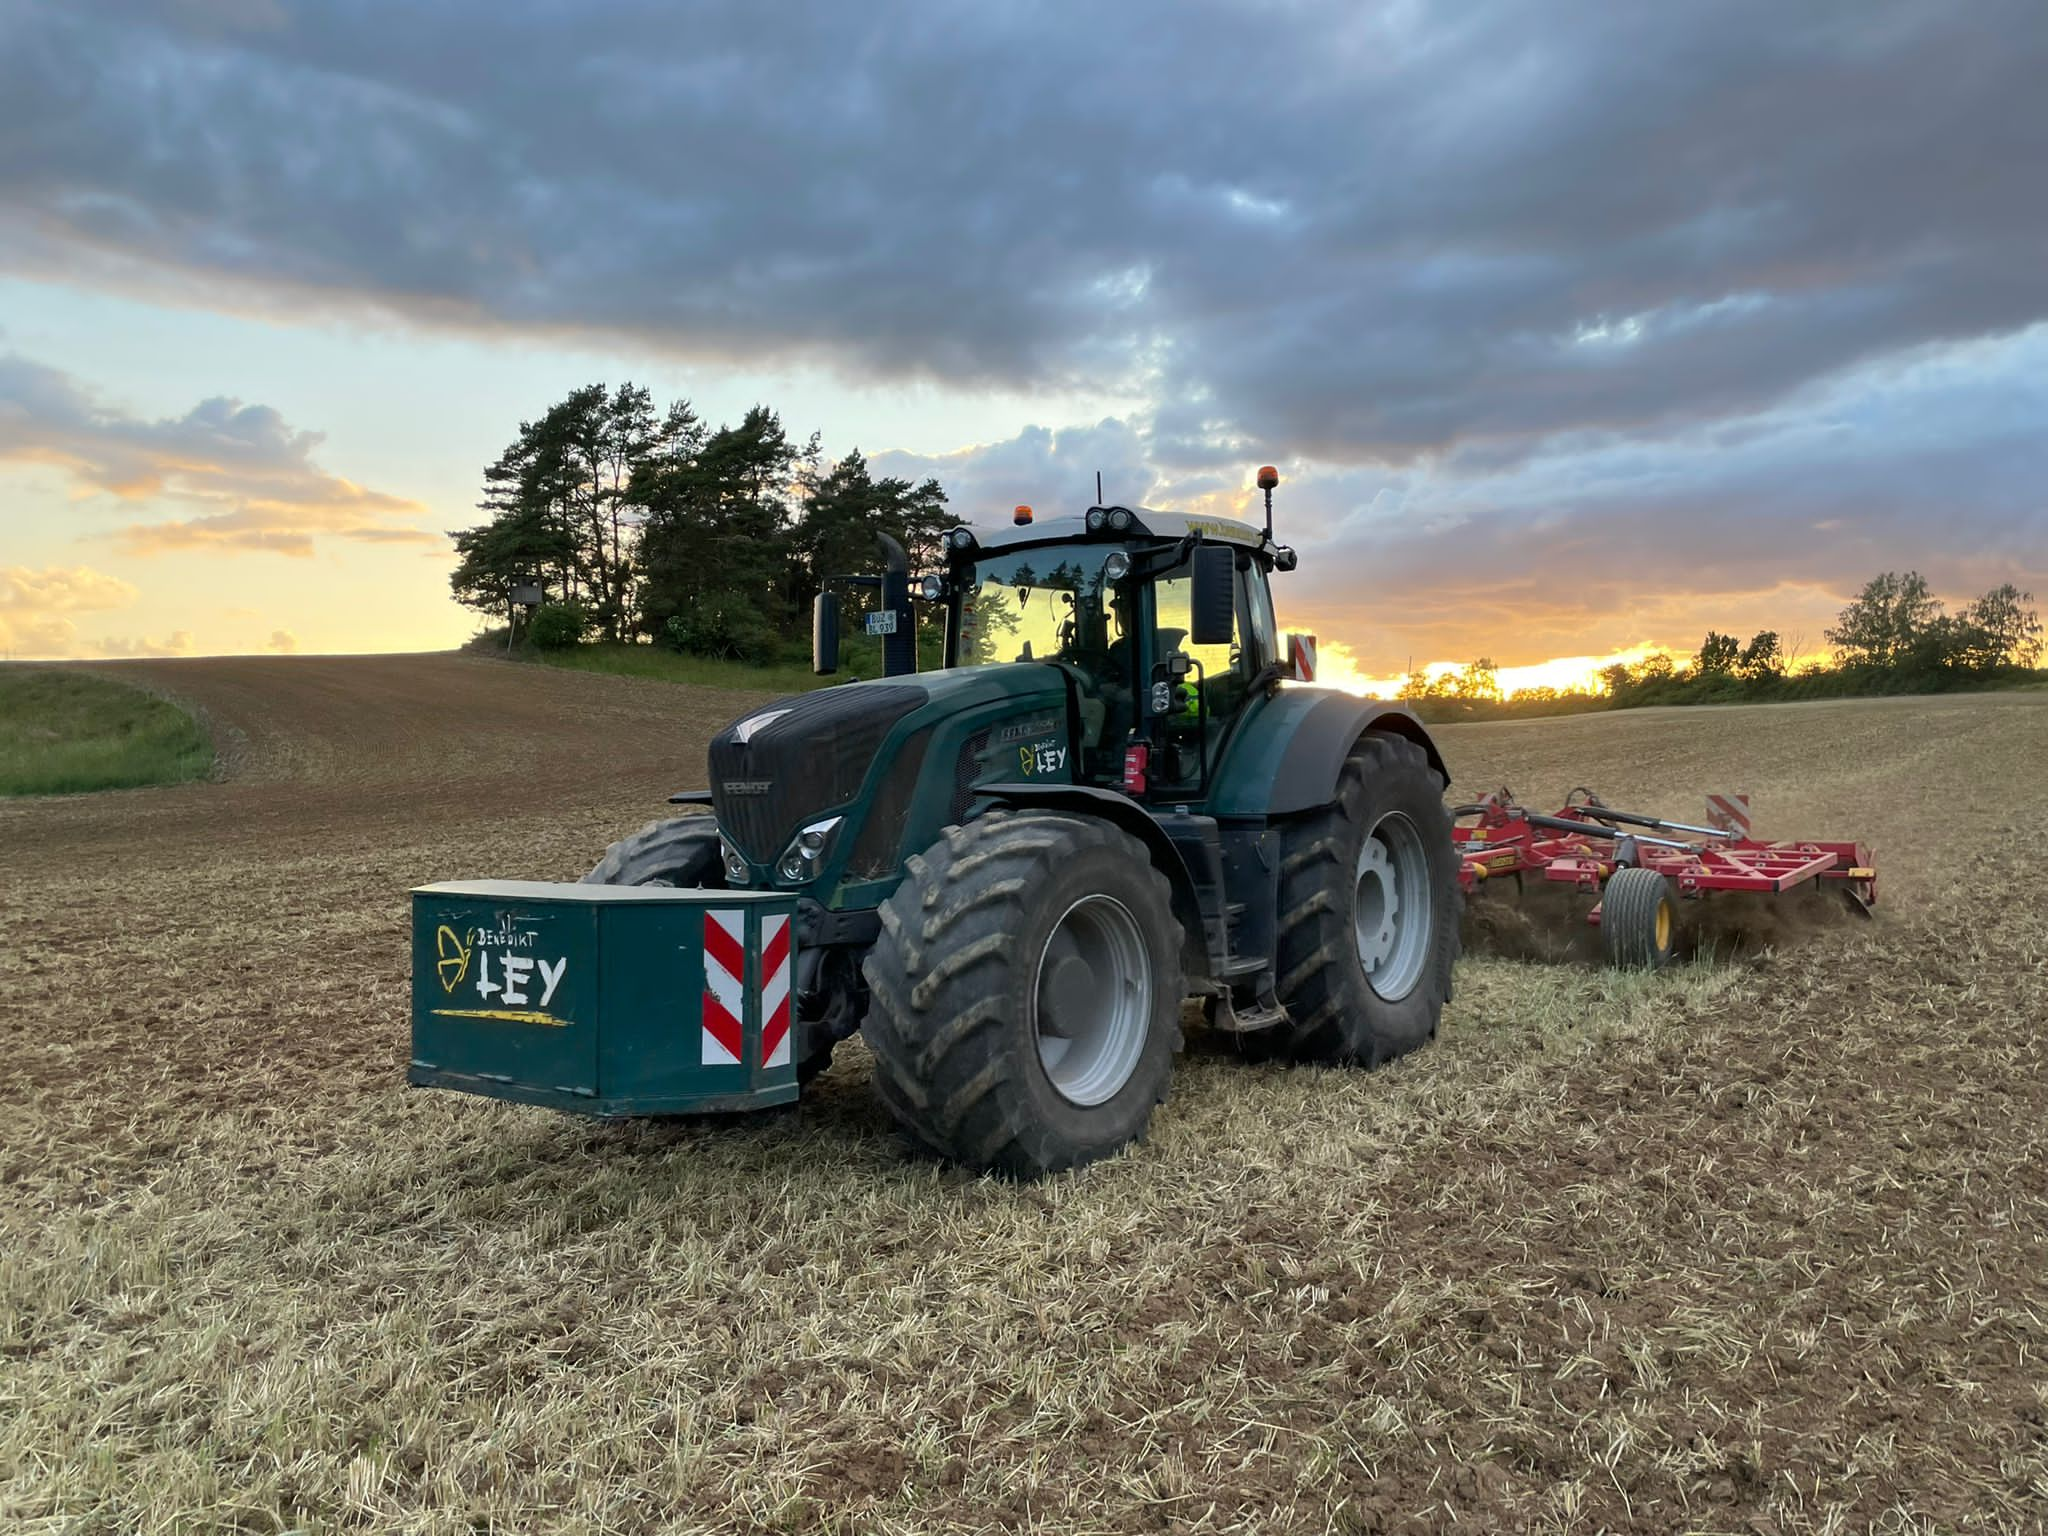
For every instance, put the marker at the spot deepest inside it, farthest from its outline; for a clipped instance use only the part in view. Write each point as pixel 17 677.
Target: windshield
pixel 1043 605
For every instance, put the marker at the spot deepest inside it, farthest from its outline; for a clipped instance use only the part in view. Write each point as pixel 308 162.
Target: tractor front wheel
pixel 1026 993
pixel 681 851
pixel 1639 919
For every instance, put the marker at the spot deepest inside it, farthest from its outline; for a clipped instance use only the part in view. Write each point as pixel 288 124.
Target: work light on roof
pixel 1120 520
pixel 960 539
pixel 1097 518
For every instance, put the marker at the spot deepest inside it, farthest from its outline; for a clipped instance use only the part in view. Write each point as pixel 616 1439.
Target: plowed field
pixel 1756 1245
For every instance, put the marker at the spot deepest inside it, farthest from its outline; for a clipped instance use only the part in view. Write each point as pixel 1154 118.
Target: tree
pixel 2005 629
pixel 1718 655
pixel 1655 668
pixel 1762 659
pixel 717 541
pixel 559 505
pixel 522 544
pixel 847 507
pixel 1885 625
pixel 1479 680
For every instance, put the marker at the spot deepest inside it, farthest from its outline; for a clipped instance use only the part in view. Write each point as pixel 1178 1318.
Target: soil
pixel 1754 1245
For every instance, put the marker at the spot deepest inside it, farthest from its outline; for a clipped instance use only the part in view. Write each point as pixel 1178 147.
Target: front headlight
pixel 806 852
pixel 735 866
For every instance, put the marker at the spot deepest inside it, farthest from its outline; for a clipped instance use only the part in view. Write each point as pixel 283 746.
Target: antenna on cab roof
pixel 1098 487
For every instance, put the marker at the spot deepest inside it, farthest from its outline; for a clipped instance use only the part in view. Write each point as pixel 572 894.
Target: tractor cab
pixel 1161 624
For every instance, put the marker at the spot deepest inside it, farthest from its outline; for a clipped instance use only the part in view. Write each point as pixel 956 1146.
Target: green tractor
pixel 1011 874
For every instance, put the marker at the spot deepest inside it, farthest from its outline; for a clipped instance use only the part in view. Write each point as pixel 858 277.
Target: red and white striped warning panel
pixel 1730 813
pixel 775 992
pixel 1303 657
pixel 725 986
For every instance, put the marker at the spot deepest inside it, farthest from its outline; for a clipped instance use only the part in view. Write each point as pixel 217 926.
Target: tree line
pixel 644 523
pixel 1894 637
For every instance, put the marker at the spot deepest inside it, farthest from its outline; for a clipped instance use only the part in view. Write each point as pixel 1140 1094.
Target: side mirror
pixel 825 633
pixel 1212 603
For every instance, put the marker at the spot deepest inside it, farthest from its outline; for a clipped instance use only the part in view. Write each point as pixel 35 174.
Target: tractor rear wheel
pixel 1368 913
pixel 1639 919
pixel 682 851
pixel 1026 993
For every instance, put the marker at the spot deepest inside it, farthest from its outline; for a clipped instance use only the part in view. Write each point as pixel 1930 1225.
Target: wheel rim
pixel 1393 913
pixel 1091 1000
pixel 1663 926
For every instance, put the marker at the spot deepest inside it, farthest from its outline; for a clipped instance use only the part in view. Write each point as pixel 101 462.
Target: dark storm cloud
pixel 1362 234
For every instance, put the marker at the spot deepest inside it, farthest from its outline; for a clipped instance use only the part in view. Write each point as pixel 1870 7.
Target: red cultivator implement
pixel 1639 865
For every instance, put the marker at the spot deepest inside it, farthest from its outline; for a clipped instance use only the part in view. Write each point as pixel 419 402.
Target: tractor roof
pixel 1157 525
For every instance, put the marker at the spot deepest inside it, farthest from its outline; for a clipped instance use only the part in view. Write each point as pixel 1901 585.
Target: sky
pixel 1575 329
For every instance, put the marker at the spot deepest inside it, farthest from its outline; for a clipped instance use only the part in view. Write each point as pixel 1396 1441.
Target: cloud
pixel 1602 541
pixel 36 606
pixel 283 641
pixel 248 475
pixel 1569 323
pixel 1353 232
pixel 1040 467
pixel 179 643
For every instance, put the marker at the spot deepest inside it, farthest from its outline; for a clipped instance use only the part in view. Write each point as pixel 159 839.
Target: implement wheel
pixel 1639 920
pixel 1026 993
pixel 1368 913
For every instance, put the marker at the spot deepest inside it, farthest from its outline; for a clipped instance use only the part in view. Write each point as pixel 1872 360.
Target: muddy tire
pixel 681 851
pixel 1369 907
pixel 1026 993
pixel 1639 920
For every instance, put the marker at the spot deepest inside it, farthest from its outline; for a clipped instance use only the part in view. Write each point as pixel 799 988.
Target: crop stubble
pixel 1752 1246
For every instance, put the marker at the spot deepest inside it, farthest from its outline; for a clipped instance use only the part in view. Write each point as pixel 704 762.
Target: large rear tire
pixel 1026 993
pixel 1369 905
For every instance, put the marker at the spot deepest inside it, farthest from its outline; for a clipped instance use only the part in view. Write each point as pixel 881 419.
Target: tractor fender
pixel 1287 751
pixel 1129 816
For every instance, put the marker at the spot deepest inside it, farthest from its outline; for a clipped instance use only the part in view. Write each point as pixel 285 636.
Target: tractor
pixel 1116 795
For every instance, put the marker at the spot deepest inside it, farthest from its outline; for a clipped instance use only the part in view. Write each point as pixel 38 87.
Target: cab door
pixel 1189 715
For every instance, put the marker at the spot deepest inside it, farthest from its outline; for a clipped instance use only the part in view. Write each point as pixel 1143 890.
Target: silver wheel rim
pixel 1392 911
pixel 1091 1000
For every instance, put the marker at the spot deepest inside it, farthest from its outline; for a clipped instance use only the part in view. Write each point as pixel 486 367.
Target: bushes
pixel 557 626
pixel 723 627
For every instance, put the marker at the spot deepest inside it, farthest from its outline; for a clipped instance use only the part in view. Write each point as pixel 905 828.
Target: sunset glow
pixel 1338 668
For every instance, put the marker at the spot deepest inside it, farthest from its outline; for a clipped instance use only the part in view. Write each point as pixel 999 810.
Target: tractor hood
pixel 884 757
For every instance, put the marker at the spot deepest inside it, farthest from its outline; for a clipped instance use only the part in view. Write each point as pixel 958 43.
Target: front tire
pixel 1026 993
pixel 1368 912
pixel 681 851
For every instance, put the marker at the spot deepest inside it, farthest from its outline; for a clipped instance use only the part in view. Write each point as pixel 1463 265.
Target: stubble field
pixel 1758 1245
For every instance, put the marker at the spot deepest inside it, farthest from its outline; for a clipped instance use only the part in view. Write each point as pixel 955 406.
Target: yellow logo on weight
pixel 453 964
